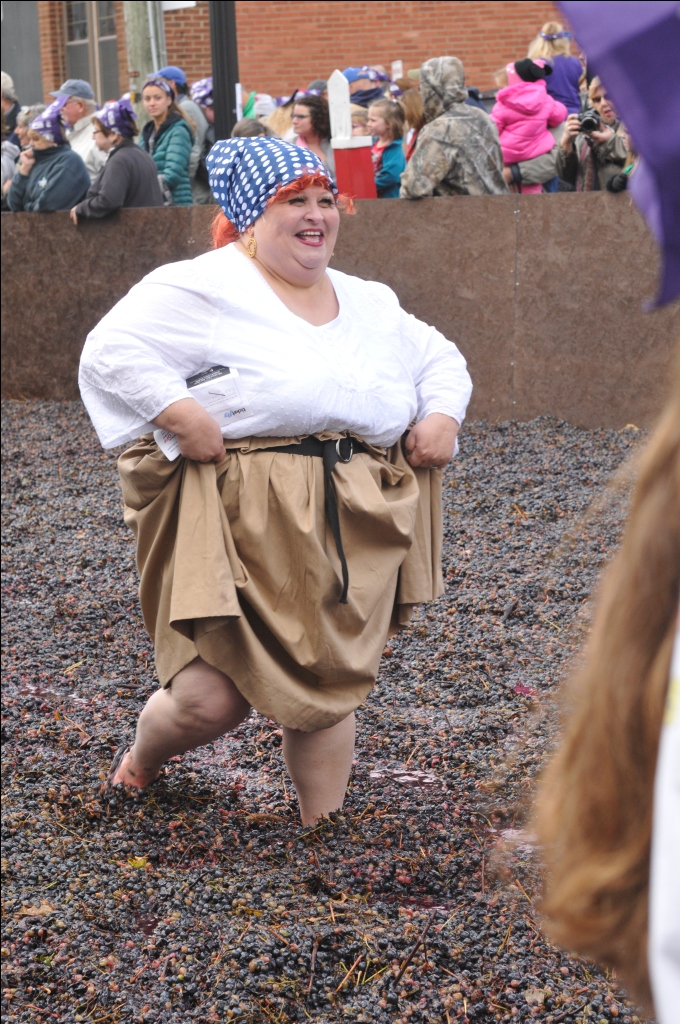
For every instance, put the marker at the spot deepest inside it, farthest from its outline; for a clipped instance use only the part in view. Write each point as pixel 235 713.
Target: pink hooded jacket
pixel 522 112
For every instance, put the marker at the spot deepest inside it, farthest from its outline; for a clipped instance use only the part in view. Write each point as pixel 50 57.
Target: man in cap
pixel 77 112
pixel 365 85
pixel 200 189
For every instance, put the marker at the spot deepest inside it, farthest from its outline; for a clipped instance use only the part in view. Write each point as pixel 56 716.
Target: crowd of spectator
pixel 547 127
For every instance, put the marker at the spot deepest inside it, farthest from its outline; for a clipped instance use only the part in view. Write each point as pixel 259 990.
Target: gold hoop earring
pixel 251 247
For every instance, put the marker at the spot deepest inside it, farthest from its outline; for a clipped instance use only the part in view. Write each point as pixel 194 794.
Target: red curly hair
pixel 224 232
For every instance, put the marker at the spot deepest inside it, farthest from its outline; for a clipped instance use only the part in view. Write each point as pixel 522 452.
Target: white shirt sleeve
pixel 136 360
pixel 439 370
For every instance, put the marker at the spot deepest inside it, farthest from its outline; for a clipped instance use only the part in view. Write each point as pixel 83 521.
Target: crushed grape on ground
pixel 205 900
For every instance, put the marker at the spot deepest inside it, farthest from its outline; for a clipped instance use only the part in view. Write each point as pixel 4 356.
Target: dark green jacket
pixel 57 181
pixel 170 148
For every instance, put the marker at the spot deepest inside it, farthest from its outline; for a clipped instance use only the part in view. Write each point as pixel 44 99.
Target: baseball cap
pixel 75 87
pixel 354 74
pixel 173 74
pixel 372 74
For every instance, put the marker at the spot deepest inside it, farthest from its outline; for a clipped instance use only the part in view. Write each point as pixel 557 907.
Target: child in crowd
pixel 386 125
pixel 523 114
pixel 414 114
pixel 553 44
pixel 359 119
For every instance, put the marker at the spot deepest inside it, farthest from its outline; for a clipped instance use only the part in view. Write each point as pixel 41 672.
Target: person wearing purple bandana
pixel 201 92
pixel 195 115
pixel 50 176
pixel 169 138
pixel 129 177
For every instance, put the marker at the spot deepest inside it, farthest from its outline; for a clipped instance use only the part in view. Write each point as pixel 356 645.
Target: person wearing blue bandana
pixel 285 492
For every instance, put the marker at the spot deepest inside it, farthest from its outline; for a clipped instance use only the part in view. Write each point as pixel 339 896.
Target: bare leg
pixel 200 704
pixel 319 764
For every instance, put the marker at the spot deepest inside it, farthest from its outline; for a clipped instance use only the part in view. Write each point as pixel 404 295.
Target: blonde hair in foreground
pixel 593 813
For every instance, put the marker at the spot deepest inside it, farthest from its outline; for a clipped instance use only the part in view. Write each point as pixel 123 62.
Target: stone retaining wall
pixel 542 294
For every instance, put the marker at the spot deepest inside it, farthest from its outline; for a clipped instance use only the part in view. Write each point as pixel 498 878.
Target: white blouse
pixel 372 370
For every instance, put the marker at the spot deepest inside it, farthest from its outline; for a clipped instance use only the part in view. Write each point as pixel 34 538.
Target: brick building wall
pixel 187 39
pixel 52 45
pixel 123 77
pixel 52 31
pixel 283 44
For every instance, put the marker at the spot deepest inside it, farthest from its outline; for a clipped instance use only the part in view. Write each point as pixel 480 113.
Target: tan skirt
pixel 238 565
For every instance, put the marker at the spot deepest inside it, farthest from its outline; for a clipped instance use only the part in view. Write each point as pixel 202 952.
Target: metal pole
pixel 160 27
pixel 151 18
pixel 224 65
pixel 139 56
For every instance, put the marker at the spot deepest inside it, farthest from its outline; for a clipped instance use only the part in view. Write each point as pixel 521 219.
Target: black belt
pixel 336 450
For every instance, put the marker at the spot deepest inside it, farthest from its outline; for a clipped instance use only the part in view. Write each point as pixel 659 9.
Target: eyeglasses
pixel 300 117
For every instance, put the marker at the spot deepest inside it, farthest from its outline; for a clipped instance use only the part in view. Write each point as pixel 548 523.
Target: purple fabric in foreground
pixel 635 49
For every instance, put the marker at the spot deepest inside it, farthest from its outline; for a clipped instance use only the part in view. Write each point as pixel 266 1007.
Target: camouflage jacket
pixel 458 152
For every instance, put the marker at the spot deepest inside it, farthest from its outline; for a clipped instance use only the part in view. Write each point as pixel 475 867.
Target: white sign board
pixel 176 5
pixel 338 106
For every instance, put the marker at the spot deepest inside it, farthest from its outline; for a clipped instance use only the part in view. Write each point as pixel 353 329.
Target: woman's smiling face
pixel 296 237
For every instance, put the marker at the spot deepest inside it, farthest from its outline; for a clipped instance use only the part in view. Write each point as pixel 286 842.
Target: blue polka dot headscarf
pixel 245 173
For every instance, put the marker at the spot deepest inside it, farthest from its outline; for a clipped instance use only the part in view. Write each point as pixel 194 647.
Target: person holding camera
pixel 593 146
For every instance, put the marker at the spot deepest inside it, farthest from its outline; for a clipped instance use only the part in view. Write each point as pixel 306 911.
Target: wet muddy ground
pixel 205 900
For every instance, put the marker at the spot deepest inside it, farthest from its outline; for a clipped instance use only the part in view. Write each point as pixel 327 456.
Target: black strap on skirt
pixel 336 450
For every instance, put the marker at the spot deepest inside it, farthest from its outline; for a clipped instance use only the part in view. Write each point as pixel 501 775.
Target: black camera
pixel 589 120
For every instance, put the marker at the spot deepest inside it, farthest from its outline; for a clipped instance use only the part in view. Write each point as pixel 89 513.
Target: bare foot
pixel 130 775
